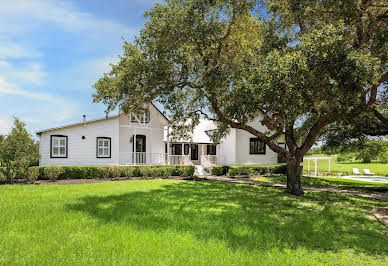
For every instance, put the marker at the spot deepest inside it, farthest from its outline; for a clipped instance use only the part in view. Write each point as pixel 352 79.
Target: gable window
pixel 103 147
pixel 143 116
pixel 211 149
pixel 256 146
pixel 58 144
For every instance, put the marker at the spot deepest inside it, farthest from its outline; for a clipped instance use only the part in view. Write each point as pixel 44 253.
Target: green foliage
pixel 32 174
pixel 383 157
pixel 219 170
pixel 2 177
pixel 248 170
pixel 17 151
pixel 344 157
pixel 52 172
pixel 95 172
pixel 110 172
pixel 370 150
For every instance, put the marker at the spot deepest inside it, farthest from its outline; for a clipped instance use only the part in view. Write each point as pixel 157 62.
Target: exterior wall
pixel 227 149
pixel 242 147
pixel 153 131
pixel 82 151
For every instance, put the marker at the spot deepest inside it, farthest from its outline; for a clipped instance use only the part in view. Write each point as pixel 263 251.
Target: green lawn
pixel 330 182
pixel 347 167
pixel 166 222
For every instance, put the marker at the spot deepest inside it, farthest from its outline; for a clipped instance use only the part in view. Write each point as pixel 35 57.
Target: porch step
pixel 199 170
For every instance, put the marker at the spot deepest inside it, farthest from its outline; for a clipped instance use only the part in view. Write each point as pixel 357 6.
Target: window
pixel 58 146
pixel 176 149
pixel 103 147
pixel 256 146
pixel 186 149
pixel 143 116
pixel 211 149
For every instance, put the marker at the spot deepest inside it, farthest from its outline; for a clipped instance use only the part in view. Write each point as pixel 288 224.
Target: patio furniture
pixel 356 172
pixel 368 172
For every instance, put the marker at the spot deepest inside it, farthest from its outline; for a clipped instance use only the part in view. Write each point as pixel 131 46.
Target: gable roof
pixel 200 133
pixel 38 133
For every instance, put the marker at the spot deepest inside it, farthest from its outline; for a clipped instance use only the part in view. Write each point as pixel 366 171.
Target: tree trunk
pixel 294 184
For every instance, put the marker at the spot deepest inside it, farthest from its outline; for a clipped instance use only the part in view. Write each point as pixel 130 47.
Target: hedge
pixel 221 170
pixel 93 172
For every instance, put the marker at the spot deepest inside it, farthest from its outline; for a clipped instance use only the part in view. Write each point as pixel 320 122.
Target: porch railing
pixel 179 159
pixel 132 158
pixel 209 160
pixel 143 158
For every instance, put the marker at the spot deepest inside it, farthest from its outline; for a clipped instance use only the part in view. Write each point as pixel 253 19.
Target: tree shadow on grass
pixel 248 217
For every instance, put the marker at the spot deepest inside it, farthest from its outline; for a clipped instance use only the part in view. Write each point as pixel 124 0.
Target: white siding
pixel 227 149
pixel 153 131
pixel 82 151
pixel 242 147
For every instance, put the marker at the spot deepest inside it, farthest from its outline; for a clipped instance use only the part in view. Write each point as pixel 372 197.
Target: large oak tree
pixel 301 64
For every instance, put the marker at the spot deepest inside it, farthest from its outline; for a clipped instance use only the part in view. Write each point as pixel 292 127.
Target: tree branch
pixel 380 117
pixel 313 133
pixel 374 88
pixel 267 140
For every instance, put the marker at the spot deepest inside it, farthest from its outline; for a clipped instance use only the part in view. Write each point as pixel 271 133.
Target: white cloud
pixel 62 13
pixel 11 49
pixel 5 125
pixel 27 73
pixel 12 89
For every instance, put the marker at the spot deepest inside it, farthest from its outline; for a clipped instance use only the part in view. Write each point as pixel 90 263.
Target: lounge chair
pixel 368 172
pixel 356 172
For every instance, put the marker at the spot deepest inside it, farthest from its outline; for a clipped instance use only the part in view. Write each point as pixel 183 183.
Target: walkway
pixel 383 197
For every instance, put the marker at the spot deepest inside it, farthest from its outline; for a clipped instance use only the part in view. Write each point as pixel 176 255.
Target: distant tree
pixel 17 151
pixel 303 66
pixel 365 150
pixel 370 150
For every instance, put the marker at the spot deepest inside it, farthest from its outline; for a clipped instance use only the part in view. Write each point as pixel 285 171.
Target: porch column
pixel 134 146
pixel 316 167
pixel 168 144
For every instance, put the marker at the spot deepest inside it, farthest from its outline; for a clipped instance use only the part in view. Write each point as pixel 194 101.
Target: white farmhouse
pixel 143 138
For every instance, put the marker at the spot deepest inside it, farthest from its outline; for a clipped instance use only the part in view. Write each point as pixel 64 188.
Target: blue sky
pixel 52 52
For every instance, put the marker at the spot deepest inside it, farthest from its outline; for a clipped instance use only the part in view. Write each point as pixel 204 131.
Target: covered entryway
pixel 139 149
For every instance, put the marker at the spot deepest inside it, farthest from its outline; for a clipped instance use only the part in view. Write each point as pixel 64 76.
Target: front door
pixel 194 152
pixel 140 149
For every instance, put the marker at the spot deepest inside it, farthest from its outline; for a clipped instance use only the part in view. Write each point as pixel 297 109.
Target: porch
pixel 147 158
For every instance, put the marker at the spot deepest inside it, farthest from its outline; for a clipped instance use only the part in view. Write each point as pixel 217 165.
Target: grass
pixel 331 183
pixel 347 167
pixel 166 222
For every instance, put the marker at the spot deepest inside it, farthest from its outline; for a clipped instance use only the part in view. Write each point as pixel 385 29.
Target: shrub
pixel 2 177
pixel 240 170
pixel 32 174
pixel 53 172
pixel 110 172
pixel 220 170
pixel 89 172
